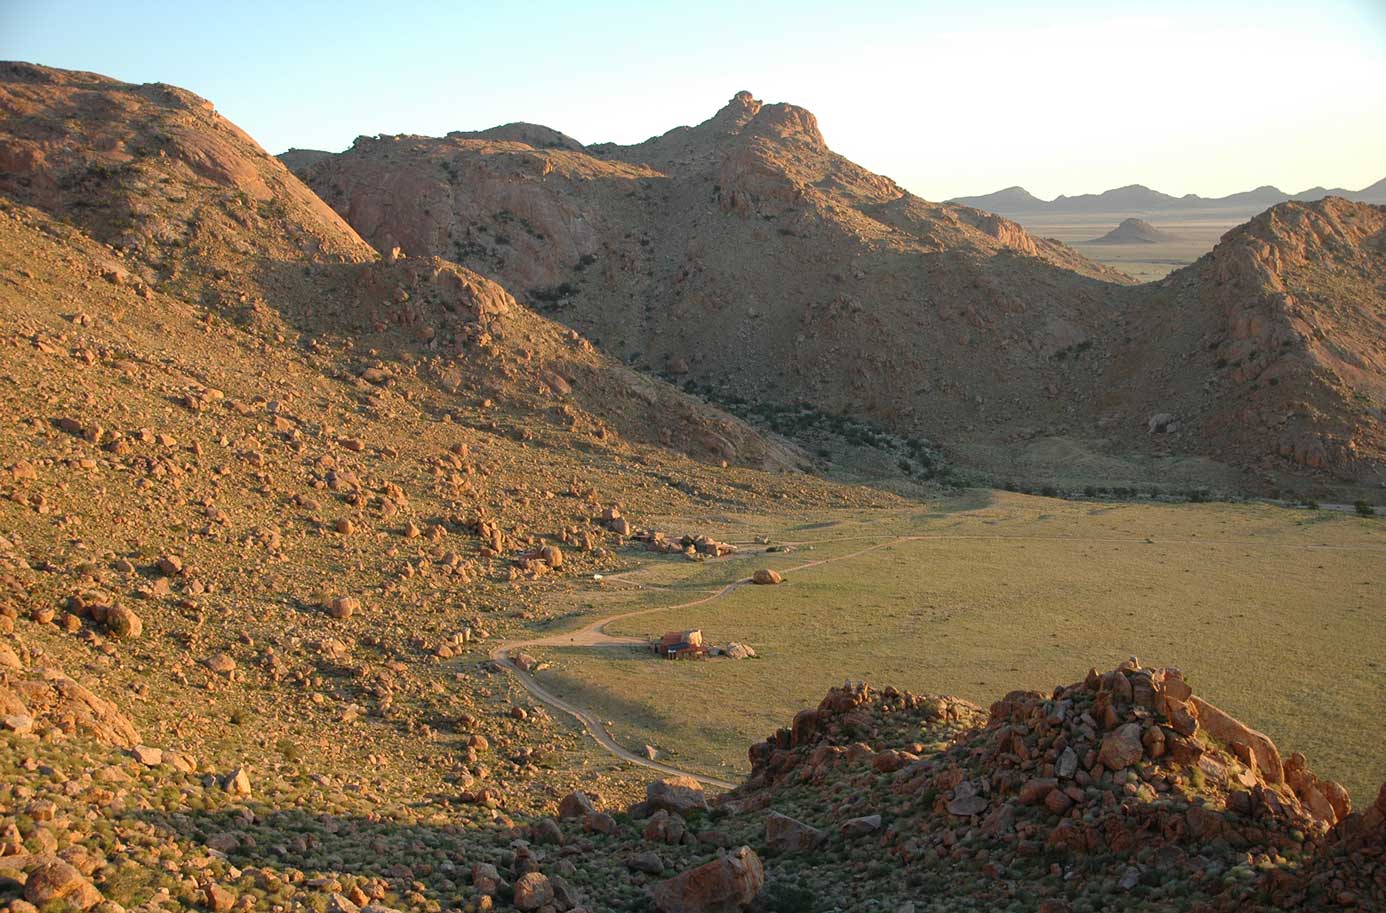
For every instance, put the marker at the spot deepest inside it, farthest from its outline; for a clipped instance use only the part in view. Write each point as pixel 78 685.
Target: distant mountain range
pixel 1139 198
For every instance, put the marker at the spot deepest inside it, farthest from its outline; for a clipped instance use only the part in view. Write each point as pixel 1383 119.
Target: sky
pixel 948 98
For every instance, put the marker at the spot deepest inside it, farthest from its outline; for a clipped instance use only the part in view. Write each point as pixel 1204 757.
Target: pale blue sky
pixel 1066 96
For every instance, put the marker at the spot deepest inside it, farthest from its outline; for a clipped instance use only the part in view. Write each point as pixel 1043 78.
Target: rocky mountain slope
pixel 746 259
pixel 193 207
pixel 1274 344
pixel 744 253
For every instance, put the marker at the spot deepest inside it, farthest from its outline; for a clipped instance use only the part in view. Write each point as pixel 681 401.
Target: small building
pixel 681 645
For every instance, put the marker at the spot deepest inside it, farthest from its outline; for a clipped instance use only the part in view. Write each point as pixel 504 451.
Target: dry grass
pixel 1274 614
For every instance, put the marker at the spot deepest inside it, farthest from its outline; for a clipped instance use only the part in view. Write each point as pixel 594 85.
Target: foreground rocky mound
pixel 1125 790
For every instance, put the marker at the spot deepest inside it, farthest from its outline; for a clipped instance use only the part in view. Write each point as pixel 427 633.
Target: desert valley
pixel 491 521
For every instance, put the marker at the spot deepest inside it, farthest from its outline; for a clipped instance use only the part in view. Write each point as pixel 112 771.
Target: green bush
pixel 789 898
pixel 1363 508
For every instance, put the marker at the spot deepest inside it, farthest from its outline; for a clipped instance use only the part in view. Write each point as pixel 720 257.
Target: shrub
pixel 1363 508
pixel 789 898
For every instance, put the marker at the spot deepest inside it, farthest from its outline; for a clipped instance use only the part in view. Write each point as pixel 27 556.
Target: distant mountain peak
pixel 1135 231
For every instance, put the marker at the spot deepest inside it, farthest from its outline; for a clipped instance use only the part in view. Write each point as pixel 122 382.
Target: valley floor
pixel 1273 612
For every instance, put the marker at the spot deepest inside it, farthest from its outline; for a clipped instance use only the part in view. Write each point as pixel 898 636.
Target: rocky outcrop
pixel 45 700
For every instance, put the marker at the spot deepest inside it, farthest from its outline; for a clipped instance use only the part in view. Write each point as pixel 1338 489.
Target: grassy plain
pixel 1275 614
pixel 1197 231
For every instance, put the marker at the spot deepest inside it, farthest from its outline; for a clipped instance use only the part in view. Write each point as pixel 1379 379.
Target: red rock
pixel 1058 801
pixel 727 884
pixel 1033 792
pixel 1121 748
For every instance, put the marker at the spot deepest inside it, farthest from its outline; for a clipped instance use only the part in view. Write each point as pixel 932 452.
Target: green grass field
pixel 1275 614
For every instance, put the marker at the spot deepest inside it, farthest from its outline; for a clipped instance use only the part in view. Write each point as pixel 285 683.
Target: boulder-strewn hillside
pixel 1273 346
pixel 267 500
pixel 191 206
pixel 742 255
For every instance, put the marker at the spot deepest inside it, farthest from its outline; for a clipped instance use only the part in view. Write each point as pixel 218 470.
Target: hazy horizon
pixel 1068 100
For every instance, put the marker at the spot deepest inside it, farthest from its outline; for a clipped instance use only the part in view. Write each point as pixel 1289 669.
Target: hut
pixel 681 645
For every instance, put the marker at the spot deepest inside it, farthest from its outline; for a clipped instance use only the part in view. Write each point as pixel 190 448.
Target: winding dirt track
pixel 594 634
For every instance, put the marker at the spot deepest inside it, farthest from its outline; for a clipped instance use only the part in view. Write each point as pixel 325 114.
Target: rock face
pixel 786 835
pixel 45 698
pixel 727 884
pixel 59 882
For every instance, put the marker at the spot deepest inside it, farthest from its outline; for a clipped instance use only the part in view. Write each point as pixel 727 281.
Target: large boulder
pixel 123 623
pixel 1122 748
pixel 788 835
pixel 727 884
pixel 766 577
pixel 532 891
pixel 1233 732
pixel 576 804
pixel 49 695
pixel 60 883
pixel 677 795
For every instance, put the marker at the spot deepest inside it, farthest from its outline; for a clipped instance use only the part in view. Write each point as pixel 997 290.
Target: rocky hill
pixel 1272 344
pixel 744 254
pixel 742 257
pixel 191 206
pixel 267 499
pixel 1135 231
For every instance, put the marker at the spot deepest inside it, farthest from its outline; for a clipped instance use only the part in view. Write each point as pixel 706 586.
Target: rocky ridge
pixel 744 258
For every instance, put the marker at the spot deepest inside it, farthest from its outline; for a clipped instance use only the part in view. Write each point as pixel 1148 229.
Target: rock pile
pixel 1125 781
